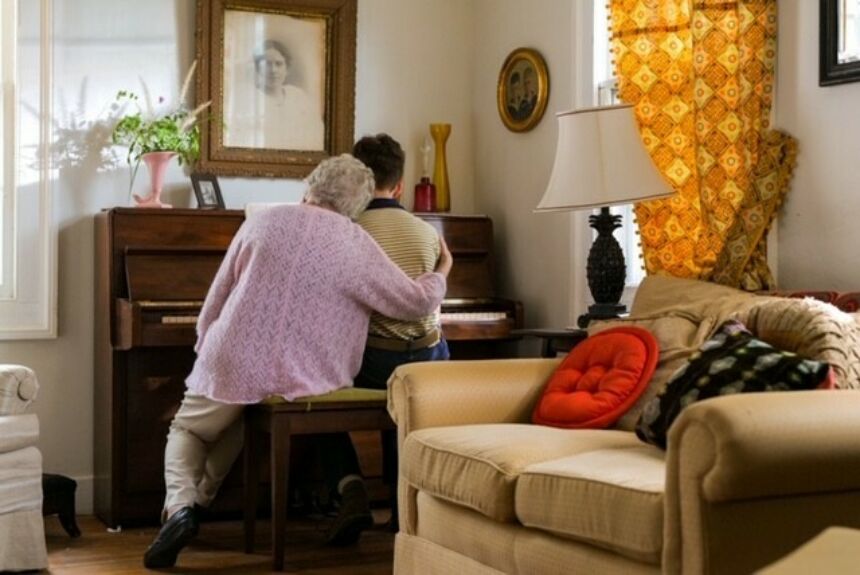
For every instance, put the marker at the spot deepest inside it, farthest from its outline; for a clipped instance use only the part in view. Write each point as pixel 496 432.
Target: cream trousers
pixel 205 439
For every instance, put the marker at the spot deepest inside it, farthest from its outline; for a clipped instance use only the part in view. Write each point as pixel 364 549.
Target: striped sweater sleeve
pixel 383 287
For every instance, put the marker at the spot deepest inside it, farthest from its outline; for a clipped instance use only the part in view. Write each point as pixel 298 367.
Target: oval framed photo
pixel 523 89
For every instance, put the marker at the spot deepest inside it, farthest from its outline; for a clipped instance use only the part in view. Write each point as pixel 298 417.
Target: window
pixel 605 93
pixel 27 231
pixel 849 38
pixel 7 146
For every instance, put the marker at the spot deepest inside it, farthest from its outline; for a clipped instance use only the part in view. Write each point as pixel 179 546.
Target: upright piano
pixel 474 320
pixel 153 269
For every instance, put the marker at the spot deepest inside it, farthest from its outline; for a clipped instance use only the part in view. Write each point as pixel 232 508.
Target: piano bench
pixel 349 409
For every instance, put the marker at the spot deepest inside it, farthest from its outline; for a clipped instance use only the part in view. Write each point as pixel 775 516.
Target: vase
pixel 156 163
pixel 440 133
pixel 425 196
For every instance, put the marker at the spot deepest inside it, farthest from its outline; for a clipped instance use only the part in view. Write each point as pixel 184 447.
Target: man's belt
pixel 389 344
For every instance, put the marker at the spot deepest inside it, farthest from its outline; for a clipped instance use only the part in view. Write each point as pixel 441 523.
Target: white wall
pixel 405 80
pixel 818 225
pixel 415 67
pixel 512 169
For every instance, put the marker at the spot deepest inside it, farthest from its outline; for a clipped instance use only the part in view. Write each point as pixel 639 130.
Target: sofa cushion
pixel 678 335
pixel 812 329
pixel 733 361
pixel 612 498
pixel 659 295
pixel 477 465
pixel 510 547
pixel 599 380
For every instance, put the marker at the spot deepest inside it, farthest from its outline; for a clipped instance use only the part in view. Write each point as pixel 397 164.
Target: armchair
pixel 22 534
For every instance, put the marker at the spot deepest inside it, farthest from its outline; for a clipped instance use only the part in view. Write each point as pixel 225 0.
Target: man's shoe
pixel 354 516
pixel 175 534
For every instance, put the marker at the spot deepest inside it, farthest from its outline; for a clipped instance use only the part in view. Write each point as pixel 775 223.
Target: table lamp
pixel 600 161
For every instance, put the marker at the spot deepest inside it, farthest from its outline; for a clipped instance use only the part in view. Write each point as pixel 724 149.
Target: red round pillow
pixel 599 380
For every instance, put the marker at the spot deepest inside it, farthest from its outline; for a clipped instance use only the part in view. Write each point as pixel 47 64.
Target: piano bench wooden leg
pixel 281 422
pixel 252 480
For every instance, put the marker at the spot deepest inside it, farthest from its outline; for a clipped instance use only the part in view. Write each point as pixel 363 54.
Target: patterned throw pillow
pixel 732 361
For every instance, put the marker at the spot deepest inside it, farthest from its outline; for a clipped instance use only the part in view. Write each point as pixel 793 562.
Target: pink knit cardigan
pixel 288 311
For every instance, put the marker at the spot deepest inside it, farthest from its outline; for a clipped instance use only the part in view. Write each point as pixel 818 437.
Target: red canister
pixel 425 196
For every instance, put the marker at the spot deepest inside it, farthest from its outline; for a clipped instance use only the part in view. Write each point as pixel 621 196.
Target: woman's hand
pixel 443 266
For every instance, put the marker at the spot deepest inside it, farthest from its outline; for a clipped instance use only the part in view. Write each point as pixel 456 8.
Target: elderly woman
pixel 287 315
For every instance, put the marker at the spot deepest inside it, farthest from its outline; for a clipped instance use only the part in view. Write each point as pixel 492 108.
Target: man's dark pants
pixel 376 367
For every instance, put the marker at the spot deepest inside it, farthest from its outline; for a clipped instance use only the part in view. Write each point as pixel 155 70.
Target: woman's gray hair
pixel 342 183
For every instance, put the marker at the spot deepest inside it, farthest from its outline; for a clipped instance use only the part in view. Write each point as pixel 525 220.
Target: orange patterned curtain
pixel 700 76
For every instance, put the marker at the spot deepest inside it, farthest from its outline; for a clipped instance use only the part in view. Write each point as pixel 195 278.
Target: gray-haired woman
pixel 286 315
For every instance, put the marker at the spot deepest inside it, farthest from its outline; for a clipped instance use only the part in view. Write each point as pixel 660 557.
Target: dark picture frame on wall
pixel 207 191
pixel 281 78
pixel 837 63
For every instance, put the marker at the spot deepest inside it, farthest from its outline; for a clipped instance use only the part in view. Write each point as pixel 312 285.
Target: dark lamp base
pixel 600 311
pixel 605 269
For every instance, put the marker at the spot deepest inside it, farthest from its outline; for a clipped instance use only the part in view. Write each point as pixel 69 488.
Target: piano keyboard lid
pixel 176 274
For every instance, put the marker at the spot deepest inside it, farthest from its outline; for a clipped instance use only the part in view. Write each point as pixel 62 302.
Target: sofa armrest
pixel 18 388
pixel 771 444
pixel 440 393
pixel 758 473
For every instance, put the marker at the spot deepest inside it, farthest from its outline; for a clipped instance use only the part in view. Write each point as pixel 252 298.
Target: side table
pixel 555 341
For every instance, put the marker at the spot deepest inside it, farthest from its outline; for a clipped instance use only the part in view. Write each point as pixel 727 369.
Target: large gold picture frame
pixel 281 78
pixel 523 89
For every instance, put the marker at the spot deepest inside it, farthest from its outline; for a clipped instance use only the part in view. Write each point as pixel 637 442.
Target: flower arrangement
pixel 176 130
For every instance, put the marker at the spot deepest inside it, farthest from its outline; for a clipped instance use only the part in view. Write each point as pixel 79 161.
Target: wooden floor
pixel 218 549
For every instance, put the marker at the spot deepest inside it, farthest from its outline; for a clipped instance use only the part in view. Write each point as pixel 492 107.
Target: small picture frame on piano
pixel 207 191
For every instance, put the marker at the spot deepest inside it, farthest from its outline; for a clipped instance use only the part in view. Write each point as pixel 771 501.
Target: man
pixel 515 96
pixel 413 245
pixel 286 315
pixel 529 101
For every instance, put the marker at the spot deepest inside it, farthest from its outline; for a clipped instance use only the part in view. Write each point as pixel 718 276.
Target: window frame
pixel 29 308
pixel 585 77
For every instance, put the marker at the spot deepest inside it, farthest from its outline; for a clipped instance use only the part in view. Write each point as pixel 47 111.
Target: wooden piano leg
pixel 252 480
pixel 280 461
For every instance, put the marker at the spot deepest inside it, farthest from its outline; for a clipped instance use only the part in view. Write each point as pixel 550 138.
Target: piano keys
pixel 475 320
pixel 165 286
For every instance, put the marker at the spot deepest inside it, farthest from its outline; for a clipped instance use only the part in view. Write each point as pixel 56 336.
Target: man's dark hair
pixel 384 156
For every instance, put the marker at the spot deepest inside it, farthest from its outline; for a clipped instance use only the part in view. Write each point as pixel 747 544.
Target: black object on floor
pixel 58 497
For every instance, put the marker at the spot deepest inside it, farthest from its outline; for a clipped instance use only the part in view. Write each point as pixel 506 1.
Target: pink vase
pixel 156 163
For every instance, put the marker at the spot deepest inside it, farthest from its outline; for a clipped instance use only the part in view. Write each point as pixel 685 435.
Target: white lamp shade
pixel 600 161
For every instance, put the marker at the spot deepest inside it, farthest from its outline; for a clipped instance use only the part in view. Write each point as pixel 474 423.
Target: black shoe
pixel 354 516
pixel 175 534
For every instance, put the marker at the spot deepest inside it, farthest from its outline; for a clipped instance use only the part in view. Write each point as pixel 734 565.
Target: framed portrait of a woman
pixel 280 76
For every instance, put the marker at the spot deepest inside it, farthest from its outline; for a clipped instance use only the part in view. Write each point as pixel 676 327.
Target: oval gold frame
pixel 534 57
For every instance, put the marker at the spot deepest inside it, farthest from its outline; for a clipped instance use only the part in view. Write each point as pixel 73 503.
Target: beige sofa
pixel 746 479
